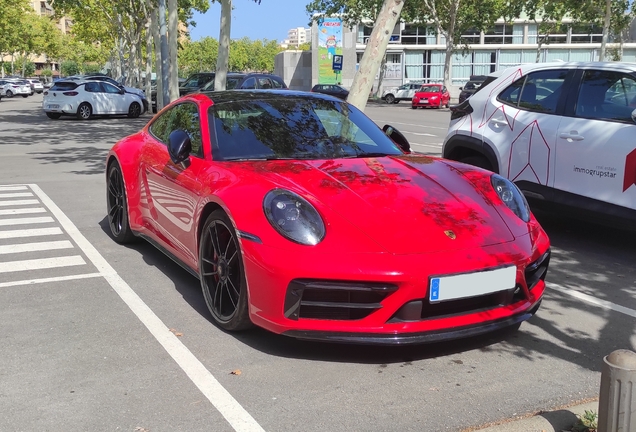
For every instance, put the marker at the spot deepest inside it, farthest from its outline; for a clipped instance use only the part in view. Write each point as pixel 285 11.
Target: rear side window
pixel 64 86
pixel 607 95
pixel 538 91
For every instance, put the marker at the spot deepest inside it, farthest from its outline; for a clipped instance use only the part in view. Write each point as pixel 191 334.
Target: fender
pixel 459 146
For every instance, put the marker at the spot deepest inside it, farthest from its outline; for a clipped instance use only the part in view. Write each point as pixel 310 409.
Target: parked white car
pixel 563 132
pixel 15 87
pixel 105 78
pixel 85 99
pixel 403 92
pixel 37 85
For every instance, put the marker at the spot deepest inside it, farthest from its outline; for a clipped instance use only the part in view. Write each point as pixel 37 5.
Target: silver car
pixel 403 92
pixel 15 87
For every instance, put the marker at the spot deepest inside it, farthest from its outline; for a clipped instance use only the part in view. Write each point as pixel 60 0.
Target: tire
pixel 389 99
pixel 9 94
pixel 84 111
pixel 25 96
pixel 53 116
pixel 117 206
pixel 478 161
pixel 413 107
pixel 222 273
pixel 134 111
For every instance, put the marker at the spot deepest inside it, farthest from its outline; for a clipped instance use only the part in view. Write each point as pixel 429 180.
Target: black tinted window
pixel 92 87
pixel 537 91
pixel 294 128
pixel 186 117
pixel 64 86
pixel 249 83
pixel 607 95
pixel 159 127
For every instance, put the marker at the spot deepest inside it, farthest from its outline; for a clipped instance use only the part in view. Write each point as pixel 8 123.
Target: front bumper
pixel 402 313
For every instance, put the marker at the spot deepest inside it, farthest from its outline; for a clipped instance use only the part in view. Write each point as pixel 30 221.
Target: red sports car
pixel 300 215
pixel 431 95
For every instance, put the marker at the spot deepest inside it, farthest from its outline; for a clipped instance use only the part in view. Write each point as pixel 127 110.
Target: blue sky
pixel 269 20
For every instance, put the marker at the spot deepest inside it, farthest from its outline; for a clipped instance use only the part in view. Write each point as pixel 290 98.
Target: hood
pixel 406 204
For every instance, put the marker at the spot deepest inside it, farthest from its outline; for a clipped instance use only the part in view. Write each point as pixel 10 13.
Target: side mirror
pixel 397 137
pixel 179 146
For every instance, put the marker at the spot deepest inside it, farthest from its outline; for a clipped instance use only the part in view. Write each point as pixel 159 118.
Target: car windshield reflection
pixel 294 128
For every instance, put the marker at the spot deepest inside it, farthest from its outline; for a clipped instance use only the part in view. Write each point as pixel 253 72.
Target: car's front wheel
pixel 117 206
pixel 222 273
pixel 389 99
pixel 9 94
pixel 53 116
pixel 134 110
pixel 24 96
pixel 84 111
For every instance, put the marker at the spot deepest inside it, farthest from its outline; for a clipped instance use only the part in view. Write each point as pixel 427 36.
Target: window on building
pixel 417 35
pixel 500 34
pixel 586 34
pixel 472 36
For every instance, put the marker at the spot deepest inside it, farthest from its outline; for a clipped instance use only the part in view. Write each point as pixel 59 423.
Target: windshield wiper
pixel 366 155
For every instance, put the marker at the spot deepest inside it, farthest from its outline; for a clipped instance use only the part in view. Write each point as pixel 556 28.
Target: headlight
pixel 511 196
pixel 293 217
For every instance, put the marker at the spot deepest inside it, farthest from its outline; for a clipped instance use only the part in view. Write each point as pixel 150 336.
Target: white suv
pixel 404 92
pixel 563 132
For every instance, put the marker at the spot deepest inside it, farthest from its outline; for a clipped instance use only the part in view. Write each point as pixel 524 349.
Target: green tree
pixel 12 14
pixel 68 68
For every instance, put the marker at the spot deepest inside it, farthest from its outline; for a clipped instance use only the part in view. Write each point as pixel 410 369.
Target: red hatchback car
pixel 431 95
pixel 300 215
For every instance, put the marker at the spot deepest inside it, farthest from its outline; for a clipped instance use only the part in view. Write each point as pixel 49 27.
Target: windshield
pixel 196 81
pixel 230 84
pixel 430 89
pixel 294 128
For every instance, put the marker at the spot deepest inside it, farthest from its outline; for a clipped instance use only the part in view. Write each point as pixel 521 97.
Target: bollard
pixel 617 399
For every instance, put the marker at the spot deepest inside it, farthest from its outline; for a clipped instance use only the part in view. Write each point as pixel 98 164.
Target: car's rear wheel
pixel 84 111
pixel 9 94
pixel 134 110
pixel 53 116
pixel 389 99
pixel 413 107
pixel 222 274
pixel 478 161
pixel 24 96
pixel 117 206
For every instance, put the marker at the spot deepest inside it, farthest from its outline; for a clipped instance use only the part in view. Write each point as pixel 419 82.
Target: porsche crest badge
pixel 450 234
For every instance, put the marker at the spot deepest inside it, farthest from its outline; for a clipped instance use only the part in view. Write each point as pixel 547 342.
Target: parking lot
pixel 97 336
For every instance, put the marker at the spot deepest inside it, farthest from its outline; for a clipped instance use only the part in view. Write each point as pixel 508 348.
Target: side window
pixel 159 127
pixel 249 83
pixel 538 91
pixel 109 88
pixel 92 87
pixel 277 84
pixel 264 83
pixel 186 117
pixel 606 95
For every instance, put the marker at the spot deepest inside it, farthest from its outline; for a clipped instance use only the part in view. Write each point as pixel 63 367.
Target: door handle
pixel 572 136
pixel 499 122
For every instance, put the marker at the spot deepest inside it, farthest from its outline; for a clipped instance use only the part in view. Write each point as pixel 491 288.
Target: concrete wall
pixel 295 69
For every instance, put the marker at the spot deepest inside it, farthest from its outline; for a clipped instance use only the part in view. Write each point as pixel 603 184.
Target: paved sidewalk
pixel 548 421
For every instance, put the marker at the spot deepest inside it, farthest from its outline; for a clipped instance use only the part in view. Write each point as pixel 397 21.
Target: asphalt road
pixel 119 338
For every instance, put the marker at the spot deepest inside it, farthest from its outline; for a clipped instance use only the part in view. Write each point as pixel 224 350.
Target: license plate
pixel 423 100
pixel 53 106
pixel 471 284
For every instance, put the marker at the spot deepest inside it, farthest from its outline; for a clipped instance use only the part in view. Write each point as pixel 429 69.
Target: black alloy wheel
pixel 117 206
pixel 134 110
pixel 222 275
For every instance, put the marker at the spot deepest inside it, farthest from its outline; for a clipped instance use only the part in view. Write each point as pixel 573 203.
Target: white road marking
pixel 26 221
pixel 18 202
pixel 234 413
pixel 36 232
pixel 416 125
pixel 12 188
pixel 593 300
pixel 22 211
pixel 420 134
pixel 435 146
pixel 16 195
pixel 51 279
pixel 34 247
pixel 41 263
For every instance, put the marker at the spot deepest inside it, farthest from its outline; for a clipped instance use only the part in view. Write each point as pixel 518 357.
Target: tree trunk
pixel 155 35
pixel 606 29
pixel 450 46
pixel 173 36
pixel 165 72
pixel 223 60
pixel 378 91
pixel 374 53
pixel 147 84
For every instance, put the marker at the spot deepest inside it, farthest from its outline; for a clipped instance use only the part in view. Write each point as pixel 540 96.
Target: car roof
pixel 569 65
pixel 251 94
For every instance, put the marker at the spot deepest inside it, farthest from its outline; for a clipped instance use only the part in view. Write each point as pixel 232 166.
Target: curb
pixel 558 420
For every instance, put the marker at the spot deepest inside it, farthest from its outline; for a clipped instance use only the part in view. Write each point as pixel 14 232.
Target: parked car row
pixel 10 87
